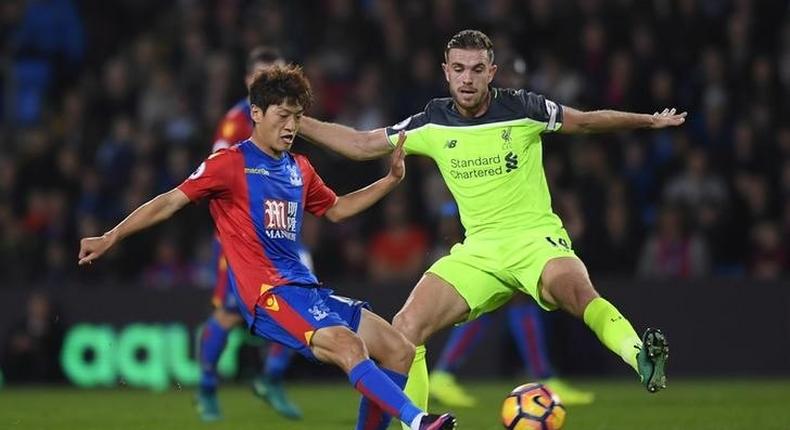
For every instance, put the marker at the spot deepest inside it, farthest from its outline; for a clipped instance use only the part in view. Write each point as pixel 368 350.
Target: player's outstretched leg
pixel 417 386
pixel 393 354
pixel 341 346
pixel 269 384
pixel 525 320
pixel 371 416
pixel 652 358
pixel 213 338
pixel 443 385
pixel 374 384
pixel 432 305
pixel 565 283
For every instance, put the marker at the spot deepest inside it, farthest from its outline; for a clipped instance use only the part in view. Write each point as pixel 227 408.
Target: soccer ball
pixel 532 407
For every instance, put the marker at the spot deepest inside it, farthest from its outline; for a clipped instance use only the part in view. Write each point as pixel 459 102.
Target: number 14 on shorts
pixel 559 243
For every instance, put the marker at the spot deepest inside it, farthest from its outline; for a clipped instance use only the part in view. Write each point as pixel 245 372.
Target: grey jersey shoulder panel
pixel 540 108
pixel 507 104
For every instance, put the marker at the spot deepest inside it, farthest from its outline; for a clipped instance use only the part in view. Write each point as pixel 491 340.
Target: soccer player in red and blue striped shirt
pixel 235 127
pixel 258 192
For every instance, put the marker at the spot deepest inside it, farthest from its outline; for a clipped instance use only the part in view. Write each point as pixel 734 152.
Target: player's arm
pixel 600 121
pixel 354 144
pixel 154 211
pixel 359 200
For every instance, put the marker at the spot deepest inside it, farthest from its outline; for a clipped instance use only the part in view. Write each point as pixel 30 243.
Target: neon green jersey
pixel 493 165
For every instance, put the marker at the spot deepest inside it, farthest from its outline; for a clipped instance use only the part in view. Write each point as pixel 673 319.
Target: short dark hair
pixel 471 39
pixel 278 83
pixel 263 54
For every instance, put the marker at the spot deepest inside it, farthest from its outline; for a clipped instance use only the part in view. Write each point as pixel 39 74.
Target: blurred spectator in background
pixel 105 104
pixel 672 251
pixel 617 251
pixel 47 46
pixel 399 249
pixel 696 188
pixel 31 350
pixel 168 269
pixel 768 253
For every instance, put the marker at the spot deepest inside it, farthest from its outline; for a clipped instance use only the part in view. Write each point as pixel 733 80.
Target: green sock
pixel 613 330
pixel 417 385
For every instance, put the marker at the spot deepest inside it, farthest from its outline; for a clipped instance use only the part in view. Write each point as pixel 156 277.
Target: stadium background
pixel 103 105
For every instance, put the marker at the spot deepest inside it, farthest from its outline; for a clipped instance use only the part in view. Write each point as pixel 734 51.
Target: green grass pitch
pixel 688 404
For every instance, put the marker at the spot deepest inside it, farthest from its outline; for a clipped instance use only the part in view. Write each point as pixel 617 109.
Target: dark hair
pixel 471 39
pixel 263 54
pixel 277 83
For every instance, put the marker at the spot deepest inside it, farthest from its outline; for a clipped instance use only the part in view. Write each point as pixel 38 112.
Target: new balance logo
pixel 451 144
pixel 511 162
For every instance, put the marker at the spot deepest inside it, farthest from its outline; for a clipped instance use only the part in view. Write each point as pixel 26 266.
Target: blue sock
pixel 371 417
pixel 526 325
pixel 462 340
pixel 277 361
pixel 374 384
pixel 212 342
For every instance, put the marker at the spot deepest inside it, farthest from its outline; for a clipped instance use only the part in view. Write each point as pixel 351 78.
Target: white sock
pixel 415 423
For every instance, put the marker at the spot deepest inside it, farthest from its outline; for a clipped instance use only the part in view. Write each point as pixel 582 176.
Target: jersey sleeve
pixel 542 110
pixel 212 178
pixel 416 130
pixel 318 197
pixel 233 128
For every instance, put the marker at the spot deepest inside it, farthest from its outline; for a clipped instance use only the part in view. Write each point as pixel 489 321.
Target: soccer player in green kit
pixel 487 144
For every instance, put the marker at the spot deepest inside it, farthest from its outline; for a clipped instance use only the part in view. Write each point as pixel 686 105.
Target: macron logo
pixel 256 171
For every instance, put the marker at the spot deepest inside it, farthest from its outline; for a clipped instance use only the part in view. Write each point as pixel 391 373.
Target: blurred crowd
pixel 106 104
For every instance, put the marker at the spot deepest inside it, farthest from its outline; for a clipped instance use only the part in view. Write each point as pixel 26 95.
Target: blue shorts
pixel 290 315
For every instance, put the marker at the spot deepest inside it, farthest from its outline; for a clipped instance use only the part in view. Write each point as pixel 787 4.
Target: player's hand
pixel 668 118
pixel 92 248
pixel 397 165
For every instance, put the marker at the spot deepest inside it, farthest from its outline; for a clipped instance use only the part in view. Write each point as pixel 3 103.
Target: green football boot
pixel 207 406
pixel 444 388
pixel 274 394
pixel 652 360
pixel 569 394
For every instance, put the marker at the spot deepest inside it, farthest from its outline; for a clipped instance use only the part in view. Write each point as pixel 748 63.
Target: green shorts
pixel 487 272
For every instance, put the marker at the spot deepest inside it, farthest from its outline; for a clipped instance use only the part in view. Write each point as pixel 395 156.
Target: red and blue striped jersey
pixel 257 203
pixel 235 126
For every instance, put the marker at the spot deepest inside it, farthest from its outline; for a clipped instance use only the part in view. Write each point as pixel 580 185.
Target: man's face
pixel 468 73
pixel 278 125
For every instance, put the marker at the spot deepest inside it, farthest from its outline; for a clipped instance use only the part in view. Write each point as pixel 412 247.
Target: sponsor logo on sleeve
pixel 401 125
pixel 198 172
